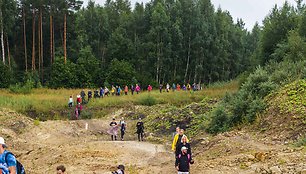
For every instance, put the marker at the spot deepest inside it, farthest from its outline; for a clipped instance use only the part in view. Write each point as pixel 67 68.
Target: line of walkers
pixel 122 125
pixel 182 151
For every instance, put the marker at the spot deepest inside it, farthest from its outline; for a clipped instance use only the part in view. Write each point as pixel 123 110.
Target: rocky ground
pixel 41 146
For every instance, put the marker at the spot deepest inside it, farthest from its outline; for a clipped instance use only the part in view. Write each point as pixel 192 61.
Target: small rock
pixel 275 169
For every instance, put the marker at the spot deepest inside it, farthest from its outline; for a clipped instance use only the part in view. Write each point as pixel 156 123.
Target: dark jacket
pixel 179 147
pixel 183 163
pixel 140 127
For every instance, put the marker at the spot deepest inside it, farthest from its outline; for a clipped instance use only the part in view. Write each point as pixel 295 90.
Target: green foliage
pixel 120 73
pixel 220 121
pixel 62 75
pixel 5 76
pixel 301 142
pixel 249 101
pixel 25 88
pixel 148 100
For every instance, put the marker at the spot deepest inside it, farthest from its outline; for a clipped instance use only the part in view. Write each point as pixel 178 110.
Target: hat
pixel 184 148
pixel 121 167
pixel 2 142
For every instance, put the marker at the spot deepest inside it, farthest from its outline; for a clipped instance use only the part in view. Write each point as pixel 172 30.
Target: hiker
pixel 173 87
pixel 122 124
pixel 126 90
pixel 8 161
pixel 79 107
pixel 177 131
pixel 106 91
pixel 160 88
pixel 113 90
pixel 101 92
pixel 83 94
pixel 120 170
pixel 96 94
pixel 118 90
pixel 137 88
pixel 70 102
pixel 89 95
pixel 183 161
pixel 132 89
pixel 182 144
pixel 184 87
pixel 177 139
pixel 78 100
pixel 194 87
pixel 167 87
pixel 150 88
pixel 113 130
pixel 178 87
pixel 140 129
pixel 188 87
pixel 60 169
pixel 76 113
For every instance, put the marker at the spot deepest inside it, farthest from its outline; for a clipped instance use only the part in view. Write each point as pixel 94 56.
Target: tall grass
pixel 47 100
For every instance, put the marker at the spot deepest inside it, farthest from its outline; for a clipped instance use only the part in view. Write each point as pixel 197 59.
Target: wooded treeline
pixel 60 44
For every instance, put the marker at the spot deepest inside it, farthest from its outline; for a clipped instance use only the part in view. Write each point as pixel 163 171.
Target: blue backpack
pixel 19 166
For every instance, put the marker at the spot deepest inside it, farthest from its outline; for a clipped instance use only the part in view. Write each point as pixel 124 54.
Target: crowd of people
pixel 83 98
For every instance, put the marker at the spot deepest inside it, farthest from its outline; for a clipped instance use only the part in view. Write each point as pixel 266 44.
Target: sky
pixel 250 11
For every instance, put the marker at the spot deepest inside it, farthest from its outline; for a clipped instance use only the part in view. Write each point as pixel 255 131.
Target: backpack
pixel 188 156
pixel 19 166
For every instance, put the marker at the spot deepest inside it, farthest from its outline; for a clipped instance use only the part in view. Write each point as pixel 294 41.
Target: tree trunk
pixel 188 54
pixel 41 47
pixel 25 42
pixel 8 51
pixel 65 39
pixel 33 42
pixel 2 37
pixel 51 39
pixel 39 38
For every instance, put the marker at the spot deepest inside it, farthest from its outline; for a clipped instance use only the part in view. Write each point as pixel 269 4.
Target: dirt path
pixel 52 143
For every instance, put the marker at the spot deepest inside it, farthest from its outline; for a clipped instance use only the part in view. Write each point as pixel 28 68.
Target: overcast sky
pixel 249 10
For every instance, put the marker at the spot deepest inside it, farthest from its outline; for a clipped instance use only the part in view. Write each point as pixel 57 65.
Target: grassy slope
pixel 285 117
pixel 53 103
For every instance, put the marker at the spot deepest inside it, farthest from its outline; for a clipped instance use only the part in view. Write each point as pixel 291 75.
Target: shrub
pixel 219 122
pixel 22 89
pixel 147 100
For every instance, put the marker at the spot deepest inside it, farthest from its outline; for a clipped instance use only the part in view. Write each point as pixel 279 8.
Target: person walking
pixel 78 100
pixel 177 139
pixel 79 107
pixel 173 87
pixel 160 88
pixel 126 90
pixel 70 102
pixel 113 90
pixel 178 87
pixel 137 88
pixel 184 87
pixel 122 124
pixel 150 88
pixel 183 143
pixel 89 95
pixel 101 92
pixel 183 161
pixel 106 91
pixel 167 87
pixel 113 131
pixel 140 129
pixel 83 95
pixel 132 89
pixel 120 170
pixel 8 161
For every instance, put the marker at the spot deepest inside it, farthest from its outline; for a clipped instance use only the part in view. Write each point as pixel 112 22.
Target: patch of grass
pixel 301 142
pixel 36 122
pixel 147 101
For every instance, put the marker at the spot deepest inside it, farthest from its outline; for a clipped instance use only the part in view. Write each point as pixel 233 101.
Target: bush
pixel 220 120
pixel 22 89
pixel 147 101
